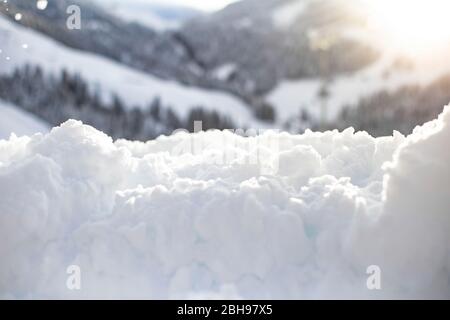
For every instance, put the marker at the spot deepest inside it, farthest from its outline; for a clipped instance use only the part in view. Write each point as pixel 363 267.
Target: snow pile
pixel 216 214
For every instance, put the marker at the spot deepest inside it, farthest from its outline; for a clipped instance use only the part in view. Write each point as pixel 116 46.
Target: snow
pixel 134 87
pixel 286 15
pixel 289 97
pixel 224 71
pixel 215 214
pixel 147 19
pixel 14 120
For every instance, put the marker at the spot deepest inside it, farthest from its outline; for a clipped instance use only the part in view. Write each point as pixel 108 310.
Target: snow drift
pixel 166 219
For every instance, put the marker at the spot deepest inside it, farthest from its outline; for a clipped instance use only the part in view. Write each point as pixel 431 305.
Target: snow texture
pixel 169 219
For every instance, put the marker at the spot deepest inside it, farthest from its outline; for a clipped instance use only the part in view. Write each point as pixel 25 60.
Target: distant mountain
pixel 14 120
pixel 263 41
pixel 56 83
pixel 313 60
pixel 268 41
pixel 166 55
pixel 156 15
pixel 103 33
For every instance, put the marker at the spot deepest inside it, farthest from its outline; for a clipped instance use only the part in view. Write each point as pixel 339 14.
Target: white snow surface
pixel 18 122
pixel 168 219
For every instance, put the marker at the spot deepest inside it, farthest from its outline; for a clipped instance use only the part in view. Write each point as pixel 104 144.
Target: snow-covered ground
pixel 134 87
pixel 19 122
pixel 219 215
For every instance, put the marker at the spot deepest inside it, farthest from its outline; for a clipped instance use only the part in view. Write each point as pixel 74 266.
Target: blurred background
pixel 137 69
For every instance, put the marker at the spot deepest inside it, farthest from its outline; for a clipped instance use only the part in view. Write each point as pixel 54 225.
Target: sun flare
pixel 418 25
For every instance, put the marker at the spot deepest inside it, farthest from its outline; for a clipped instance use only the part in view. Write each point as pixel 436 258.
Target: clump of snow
pixel 166 219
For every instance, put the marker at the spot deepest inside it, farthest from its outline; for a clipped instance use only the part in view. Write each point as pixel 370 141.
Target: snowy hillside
pixel 396 67
pixel 154 14
pixel 290 97
pixel 288 51
pixel 23 46
pixel 301 211
pixel 253 59
pixel 109 35
pixel 220 215
pixel 14 120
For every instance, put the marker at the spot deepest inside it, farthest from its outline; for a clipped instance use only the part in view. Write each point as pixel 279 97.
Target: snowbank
pixel 191 216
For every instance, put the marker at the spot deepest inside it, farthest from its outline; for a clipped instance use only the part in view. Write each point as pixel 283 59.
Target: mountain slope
pixel 390 73
pixel 107 77
pixel 305 220
pixel 302 55
pixel 249 34
pixel 158 16
pixel 295 63
pixel 14 120
pixel 104 33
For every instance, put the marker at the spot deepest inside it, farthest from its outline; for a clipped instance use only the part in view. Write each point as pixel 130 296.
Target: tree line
pixel 57 98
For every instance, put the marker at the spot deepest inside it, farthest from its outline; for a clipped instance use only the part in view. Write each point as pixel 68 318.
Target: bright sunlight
pixel 419 25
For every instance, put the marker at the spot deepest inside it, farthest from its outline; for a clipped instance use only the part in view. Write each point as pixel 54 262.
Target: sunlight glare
pixel 415 24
